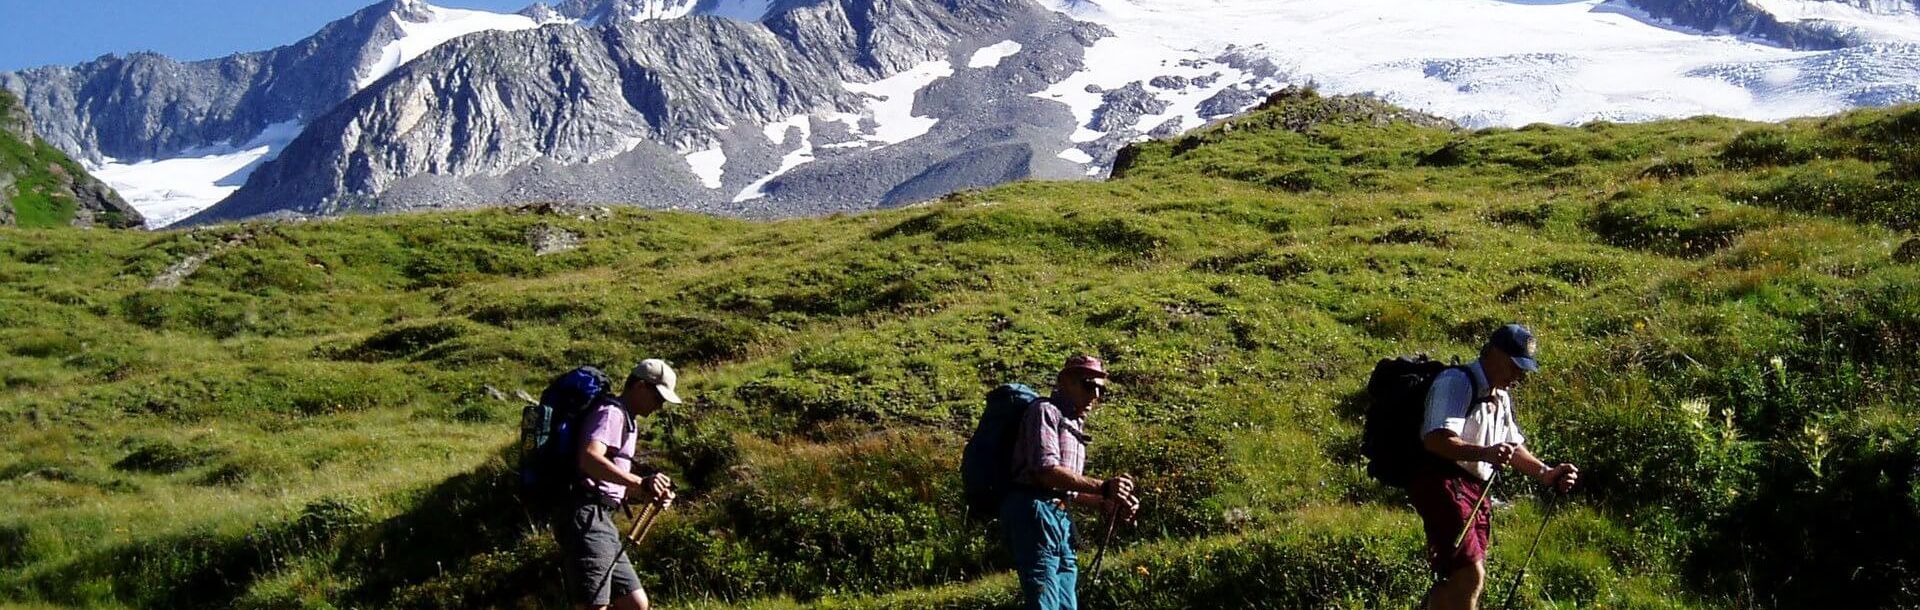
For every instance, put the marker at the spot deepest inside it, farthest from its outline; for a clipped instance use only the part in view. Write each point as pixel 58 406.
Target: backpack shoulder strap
pixel 1481 394
pixel 627 423
pixel 1060 425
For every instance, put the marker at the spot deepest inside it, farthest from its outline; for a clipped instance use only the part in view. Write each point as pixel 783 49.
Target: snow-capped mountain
pixel 821 106
pixel 1799 24
pixel 1491 62
pixel 174 137
pixel 603 12
pixel 783 107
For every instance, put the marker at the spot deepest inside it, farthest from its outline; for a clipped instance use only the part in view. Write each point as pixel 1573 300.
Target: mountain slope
pixel 317 413
pixel 177 136
pixel 1798 24
pixel 619 109
pixel 1051 96
pixel 40 186
pixel 146 106
pixel 1155 69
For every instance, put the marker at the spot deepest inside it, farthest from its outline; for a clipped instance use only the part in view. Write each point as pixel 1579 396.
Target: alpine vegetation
pixel 341 413
pixel 763 108
pixel 40 186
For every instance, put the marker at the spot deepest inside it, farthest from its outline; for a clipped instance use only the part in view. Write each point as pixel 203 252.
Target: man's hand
pixel 1122 507
pixel 1561 477
pixel 656 489
pixel 1118 486
pixel 1498 455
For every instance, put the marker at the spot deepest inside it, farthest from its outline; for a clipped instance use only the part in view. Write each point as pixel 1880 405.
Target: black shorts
pixel 589 545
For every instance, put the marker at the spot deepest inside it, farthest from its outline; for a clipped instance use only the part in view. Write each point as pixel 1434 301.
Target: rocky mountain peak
pixel 601 12
pixel 542 12
pixel 14 121
pixel 416 11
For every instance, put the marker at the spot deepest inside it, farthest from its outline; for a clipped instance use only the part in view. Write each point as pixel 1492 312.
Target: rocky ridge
pixel 39 185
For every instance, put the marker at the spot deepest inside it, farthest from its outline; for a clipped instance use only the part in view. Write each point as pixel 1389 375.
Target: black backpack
pixel 1397 406
pixel 550 434
pixel 986 466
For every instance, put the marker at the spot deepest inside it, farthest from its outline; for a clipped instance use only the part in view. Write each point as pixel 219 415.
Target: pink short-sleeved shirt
pixel 605 424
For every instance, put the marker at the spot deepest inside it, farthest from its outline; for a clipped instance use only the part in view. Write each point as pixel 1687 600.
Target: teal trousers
pixel 1040 534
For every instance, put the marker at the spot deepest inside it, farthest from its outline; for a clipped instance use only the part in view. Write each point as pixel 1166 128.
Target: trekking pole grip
pixel 646 515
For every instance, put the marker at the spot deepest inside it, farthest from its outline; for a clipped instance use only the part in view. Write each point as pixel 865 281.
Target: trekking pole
pixel 644 524
pixel 1553 506
pixel 638 532
pixel 1113 519
pixel 611 565
pixel 1461 540
pixel 1473 516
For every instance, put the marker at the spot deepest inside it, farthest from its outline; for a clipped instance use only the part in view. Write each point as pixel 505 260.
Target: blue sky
pixel 41 32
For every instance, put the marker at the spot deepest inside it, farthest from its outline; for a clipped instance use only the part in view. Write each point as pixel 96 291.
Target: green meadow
pixel 321 415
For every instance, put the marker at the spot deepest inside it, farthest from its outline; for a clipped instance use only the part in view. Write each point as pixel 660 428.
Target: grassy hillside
pixel 1728 311
pixel 42 187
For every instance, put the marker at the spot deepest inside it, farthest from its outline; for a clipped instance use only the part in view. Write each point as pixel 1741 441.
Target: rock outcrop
pixel 40 186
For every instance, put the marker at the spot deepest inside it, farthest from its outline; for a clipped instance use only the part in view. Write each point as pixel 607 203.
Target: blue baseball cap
pixel 1517 342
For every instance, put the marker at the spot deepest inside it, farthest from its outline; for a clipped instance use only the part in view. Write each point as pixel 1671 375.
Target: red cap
pixel 1085 363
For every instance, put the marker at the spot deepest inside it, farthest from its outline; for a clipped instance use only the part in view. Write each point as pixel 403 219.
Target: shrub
pixel 1534 217
pixel 871 515
pixel 1176 469
pixel 1689 455
pixel 1578 271
pixel 1415 235
pixel 453 264
pixel 216 313
pixel 1830 513
pixel 1674 169
pixel 165 457
pixel 396 342
pixel 1845 189
pixel 1675 227
pixel 1768 146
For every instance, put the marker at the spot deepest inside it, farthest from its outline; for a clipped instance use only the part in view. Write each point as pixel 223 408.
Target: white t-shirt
pixel 1451 406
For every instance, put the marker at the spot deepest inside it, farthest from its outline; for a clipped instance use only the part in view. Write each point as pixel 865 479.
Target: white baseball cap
pixel 656 372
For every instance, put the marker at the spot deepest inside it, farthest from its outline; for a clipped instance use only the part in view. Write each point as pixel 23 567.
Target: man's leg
pixel 1067 579
pixel 1444 505
pixel 1067 584
pixel 627 593
pixel 608 574
pixel 570 528
pixel 1036 560
pixel 1461 589
pixel 635 600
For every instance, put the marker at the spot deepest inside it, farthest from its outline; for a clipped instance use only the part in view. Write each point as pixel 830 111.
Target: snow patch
pixel 1881 20
pixel 741 10
pixel 1076 155
pixel 662 9
pixel 891 103
pixel 442 25
pixel 1484 62
pixel 990 57
pixel 777 133
pixel 166 191
pixel 710 165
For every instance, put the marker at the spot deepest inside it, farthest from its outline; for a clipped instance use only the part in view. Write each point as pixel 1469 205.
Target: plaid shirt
pixel 1048 439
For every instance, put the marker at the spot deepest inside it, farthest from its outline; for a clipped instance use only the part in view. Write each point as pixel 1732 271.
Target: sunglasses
pixel 1094 386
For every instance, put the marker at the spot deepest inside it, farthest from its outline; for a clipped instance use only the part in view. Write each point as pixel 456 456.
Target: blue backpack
pixel 550 431
pixel 986 467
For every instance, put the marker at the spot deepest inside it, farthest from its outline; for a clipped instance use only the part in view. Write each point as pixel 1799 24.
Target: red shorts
pixel 1444 499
